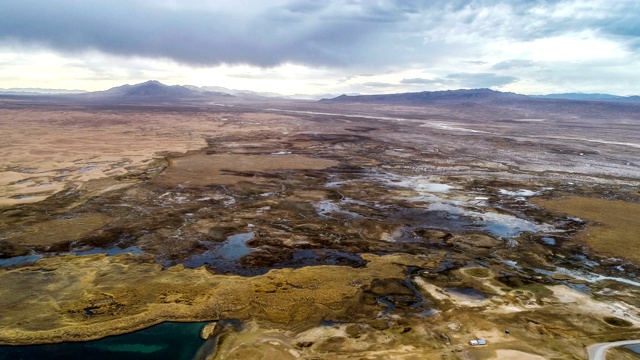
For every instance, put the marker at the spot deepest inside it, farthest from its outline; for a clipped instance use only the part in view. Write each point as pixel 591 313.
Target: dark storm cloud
pixel 308 32
pixel 343 33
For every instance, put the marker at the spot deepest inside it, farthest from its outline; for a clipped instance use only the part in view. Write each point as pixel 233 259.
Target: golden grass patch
pixel 226 169
pixel 58 231
pixel 46 303
pixel 614 229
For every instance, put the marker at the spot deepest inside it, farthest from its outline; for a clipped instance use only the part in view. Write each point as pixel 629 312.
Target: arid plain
pixel 323 229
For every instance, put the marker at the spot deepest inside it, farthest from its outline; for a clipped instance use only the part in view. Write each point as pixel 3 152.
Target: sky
pixel 324 47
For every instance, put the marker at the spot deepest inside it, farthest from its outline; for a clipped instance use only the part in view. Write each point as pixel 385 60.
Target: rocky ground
pixel 369 232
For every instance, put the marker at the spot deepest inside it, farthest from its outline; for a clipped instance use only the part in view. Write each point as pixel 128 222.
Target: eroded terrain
pixel 397 232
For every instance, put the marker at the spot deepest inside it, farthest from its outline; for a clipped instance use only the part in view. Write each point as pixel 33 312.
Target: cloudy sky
pixel 315 46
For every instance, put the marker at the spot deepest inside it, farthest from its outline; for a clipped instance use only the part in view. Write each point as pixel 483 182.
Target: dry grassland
pixel 614 229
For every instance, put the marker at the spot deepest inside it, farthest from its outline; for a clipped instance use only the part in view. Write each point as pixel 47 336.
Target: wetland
pixel 296 231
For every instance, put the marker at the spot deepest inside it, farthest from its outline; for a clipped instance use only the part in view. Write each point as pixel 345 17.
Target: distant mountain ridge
pixel 151 88
pixel 588 97
pixel 154 90
pixel 463 95
pixel 472 95
pixel 150 91
pixel 259 95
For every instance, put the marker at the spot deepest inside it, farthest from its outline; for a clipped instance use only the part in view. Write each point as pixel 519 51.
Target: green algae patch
pixel 478 272
pixel 614 226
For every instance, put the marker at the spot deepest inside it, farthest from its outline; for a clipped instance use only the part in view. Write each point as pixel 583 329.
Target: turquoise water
pixel 20 260
pixel 223 258
pixel 179 341
pixel 235 246
pixel 30 259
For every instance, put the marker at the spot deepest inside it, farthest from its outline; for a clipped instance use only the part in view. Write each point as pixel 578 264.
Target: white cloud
pixel 568 47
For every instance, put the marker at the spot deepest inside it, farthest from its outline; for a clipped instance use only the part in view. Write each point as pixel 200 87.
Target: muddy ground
pixel 387 232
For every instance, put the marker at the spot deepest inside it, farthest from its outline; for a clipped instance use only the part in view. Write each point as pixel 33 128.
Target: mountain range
pixel 151 90
pixel 424 97
pixel 472 95
pixel 588 97
pixel 156 91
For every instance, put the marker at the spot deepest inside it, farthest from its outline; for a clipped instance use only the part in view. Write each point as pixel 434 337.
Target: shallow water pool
pixel 179 341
